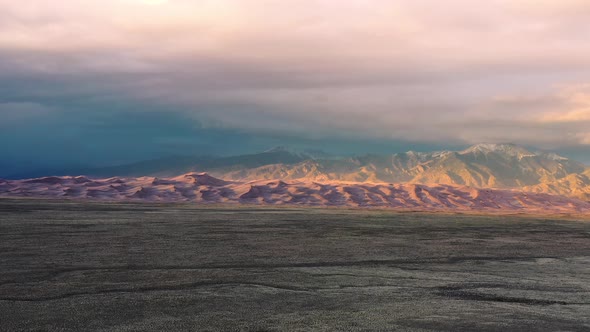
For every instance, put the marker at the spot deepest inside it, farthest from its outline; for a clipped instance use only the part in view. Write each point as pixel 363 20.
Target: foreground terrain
pixel 69 266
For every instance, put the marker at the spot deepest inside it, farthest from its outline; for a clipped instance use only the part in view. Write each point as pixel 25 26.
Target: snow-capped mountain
pixel 501 166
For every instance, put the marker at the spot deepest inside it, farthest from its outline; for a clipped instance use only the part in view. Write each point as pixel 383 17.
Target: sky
pixel 100 82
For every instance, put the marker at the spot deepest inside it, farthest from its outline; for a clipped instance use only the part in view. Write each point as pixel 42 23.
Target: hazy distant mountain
pixel 502 166
pixel 483 165
pixel 174 165
pixel 480 166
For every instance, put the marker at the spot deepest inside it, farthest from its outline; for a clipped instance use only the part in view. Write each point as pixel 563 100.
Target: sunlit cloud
pixel 154 2
pixel 412 70
pixel 575 106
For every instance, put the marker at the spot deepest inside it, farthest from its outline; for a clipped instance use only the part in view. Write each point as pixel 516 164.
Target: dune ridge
pixel 204 188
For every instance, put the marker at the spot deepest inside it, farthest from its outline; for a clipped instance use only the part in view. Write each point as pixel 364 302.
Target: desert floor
pixel 72 266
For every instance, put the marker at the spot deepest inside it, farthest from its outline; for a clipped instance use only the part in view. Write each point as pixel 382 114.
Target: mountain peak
pixel 510 149
pixel 279 148
pixel 554 156
pixel 304 154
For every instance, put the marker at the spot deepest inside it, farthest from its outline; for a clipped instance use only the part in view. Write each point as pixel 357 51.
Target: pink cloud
pixel 411 69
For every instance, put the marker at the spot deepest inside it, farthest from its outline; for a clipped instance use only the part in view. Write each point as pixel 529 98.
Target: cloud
pixel 15 114
pixel 411 70
pixel 574 106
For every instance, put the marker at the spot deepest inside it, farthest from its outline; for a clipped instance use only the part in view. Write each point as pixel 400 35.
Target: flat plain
pixel 80 266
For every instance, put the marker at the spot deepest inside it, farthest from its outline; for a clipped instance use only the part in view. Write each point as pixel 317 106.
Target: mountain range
pixel 498 166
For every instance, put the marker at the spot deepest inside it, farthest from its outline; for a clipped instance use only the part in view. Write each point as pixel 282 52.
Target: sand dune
pixel 203 188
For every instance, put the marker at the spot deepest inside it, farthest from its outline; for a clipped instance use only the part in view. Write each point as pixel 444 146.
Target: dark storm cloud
pixel 367 70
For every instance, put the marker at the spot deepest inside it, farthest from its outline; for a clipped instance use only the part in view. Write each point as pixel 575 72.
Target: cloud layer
pixel 417 70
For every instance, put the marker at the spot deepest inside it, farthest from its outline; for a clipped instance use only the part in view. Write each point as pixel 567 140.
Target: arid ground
pixel 72 266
